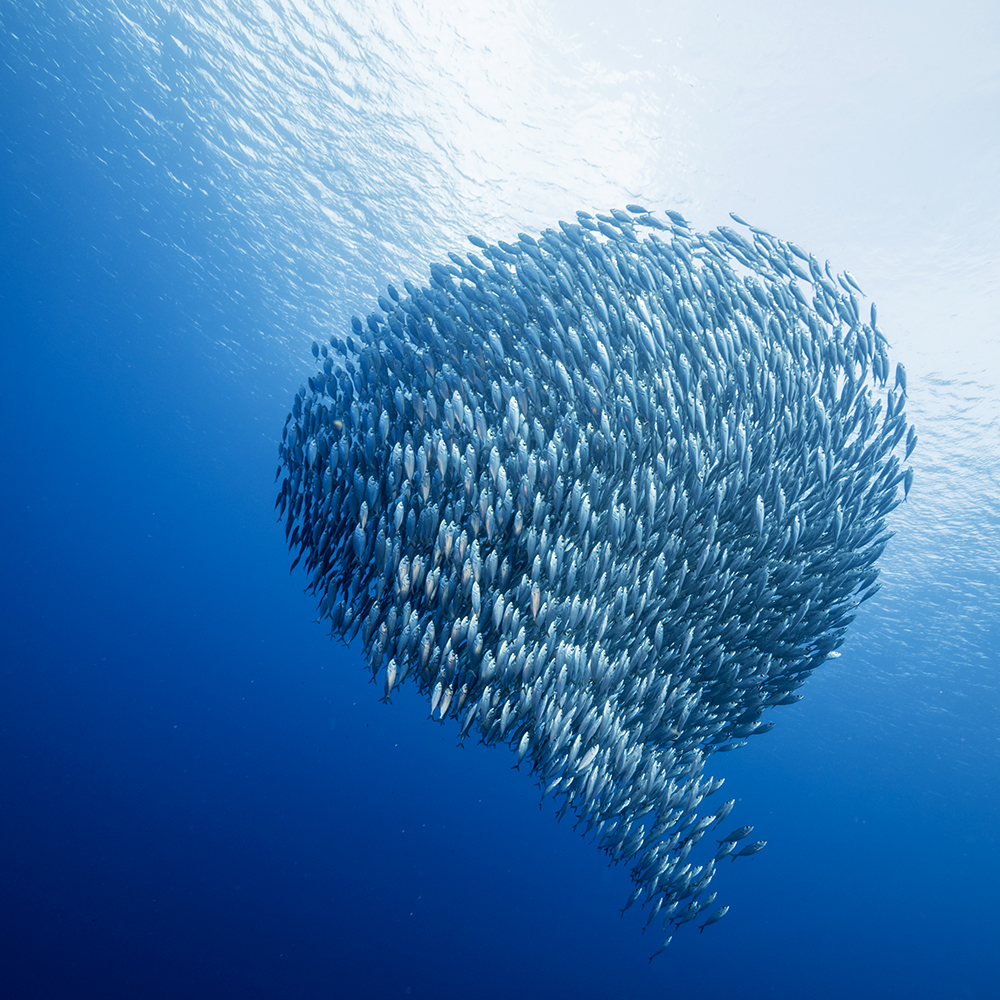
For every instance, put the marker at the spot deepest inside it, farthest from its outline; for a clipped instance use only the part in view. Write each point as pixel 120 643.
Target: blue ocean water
pixel 201 794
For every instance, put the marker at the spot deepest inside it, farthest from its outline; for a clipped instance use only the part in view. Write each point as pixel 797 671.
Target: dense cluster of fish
pixel 606 496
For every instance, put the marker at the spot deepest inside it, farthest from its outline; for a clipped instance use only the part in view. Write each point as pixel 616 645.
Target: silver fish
pixel 607 497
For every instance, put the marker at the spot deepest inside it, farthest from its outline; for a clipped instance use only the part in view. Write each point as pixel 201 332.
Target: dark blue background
pixel 200 794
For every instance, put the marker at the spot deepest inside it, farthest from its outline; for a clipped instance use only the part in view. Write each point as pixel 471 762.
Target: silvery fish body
pixel 607 496
pixel 714 918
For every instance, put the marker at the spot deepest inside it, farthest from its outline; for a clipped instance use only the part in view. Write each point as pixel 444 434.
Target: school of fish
pixel 606 496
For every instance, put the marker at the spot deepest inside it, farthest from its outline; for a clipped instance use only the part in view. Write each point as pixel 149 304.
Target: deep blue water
pixel 200 794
